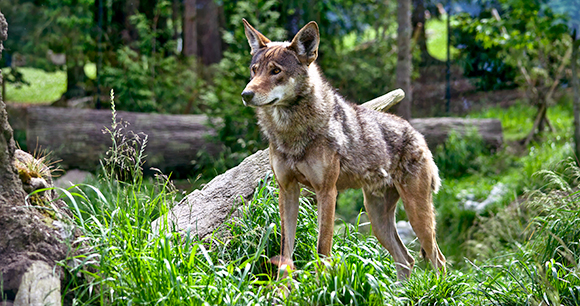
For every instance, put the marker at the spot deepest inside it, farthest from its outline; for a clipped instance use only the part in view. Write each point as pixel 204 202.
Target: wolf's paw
pixel 285 266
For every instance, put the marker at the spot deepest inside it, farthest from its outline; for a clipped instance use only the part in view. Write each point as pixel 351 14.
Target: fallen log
pixel 75 136
pixel 436 130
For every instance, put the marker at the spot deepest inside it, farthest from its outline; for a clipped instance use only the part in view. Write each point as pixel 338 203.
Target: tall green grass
pixel 528 251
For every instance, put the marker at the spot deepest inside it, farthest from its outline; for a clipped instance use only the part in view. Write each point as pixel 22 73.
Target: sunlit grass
pixel 44 86
pixel 436 31
pixel 91 71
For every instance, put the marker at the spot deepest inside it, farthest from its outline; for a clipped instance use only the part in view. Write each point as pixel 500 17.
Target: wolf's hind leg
pixel 417 196
pixel 381 212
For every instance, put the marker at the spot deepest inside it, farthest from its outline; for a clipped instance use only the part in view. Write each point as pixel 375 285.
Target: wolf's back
pixel 379 147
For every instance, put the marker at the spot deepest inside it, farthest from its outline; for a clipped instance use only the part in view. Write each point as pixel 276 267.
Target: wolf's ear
pixel 256 40
pixel 305 43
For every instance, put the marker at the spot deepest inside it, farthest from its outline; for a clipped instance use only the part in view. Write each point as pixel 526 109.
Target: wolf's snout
pixel 247 96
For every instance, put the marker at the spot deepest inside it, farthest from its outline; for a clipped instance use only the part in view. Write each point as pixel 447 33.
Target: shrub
pixel 485 65
pixel 460 154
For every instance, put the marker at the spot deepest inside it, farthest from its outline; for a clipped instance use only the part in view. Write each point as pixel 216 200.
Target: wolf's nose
pixel 247 95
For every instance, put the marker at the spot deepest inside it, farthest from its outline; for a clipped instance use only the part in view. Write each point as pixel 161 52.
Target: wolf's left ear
pixel 305 43
pixel 256 39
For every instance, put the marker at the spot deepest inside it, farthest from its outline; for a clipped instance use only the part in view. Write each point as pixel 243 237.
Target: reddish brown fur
pixel 320 140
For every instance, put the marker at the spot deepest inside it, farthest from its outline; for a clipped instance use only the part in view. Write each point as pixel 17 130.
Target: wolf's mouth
pixel 271 102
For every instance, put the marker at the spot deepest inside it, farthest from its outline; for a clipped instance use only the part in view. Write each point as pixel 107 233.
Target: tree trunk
pixel 576 89
pixel 29 248
pixel 208 32
pixel 131 8
pixel 175 10
pixel 404 64
pixel 539 123
pixel 10 186
pixel 75 77
pixel 189 28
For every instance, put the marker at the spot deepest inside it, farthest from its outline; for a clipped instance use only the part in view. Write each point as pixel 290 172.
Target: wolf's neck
pixel 291 128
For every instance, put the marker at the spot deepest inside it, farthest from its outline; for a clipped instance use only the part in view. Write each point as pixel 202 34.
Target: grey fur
pixel 319 139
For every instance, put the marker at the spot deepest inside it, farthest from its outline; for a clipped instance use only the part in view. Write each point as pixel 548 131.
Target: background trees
pixel 191 56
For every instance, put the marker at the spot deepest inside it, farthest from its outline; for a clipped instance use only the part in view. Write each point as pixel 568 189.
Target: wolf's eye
pixel 276 70
pixel 254 69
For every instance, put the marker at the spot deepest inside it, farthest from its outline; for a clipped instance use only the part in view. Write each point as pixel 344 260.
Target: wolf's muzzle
pixel 247 96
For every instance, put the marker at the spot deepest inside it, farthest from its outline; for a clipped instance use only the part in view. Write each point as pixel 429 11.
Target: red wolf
pixel 328 144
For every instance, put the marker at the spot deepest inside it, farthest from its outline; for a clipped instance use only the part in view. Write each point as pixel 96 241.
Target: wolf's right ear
pixel 305 43
pixel 256 39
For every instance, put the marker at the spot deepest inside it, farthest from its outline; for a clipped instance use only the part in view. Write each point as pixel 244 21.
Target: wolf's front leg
pixel 321 168
pixel 289 204
pixel 326 199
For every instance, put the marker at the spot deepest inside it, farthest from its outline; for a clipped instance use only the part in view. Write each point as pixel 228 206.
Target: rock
pixel 71 177
pixel 405 231
pixel 26 239
pixel 495 195
pixel 39 286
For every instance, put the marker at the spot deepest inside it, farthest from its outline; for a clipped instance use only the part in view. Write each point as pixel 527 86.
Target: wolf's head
pixel 278 69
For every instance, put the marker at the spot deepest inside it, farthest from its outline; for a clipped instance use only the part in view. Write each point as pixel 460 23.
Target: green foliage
pixel 39 26
pixel 486 65
pixel 236 124
pixel 460 153
pixel 125 158
pixel 528 38
pixel 532 254
pixel 570 15
pixel 437 42
pixel 350 203
pixel 362 63
pixel 153 83
pixel 153 78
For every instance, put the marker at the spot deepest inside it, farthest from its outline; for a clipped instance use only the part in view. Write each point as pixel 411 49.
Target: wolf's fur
pixel 320 140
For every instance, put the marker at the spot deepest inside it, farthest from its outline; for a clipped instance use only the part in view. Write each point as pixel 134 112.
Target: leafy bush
pixel 486 65
pixel 460 153
pixel 235 123
pixel 150 77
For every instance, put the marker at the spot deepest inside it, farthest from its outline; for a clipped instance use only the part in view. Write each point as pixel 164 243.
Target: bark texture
pixel 404 56
pixel 189 28
pixel 436 130
pixel 420 37
pixel 208 32
pixel 75 136
pixel 26 236
pixel 203 211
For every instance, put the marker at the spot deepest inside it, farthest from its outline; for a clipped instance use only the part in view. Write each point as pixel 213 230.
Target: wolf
pixel 320 140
